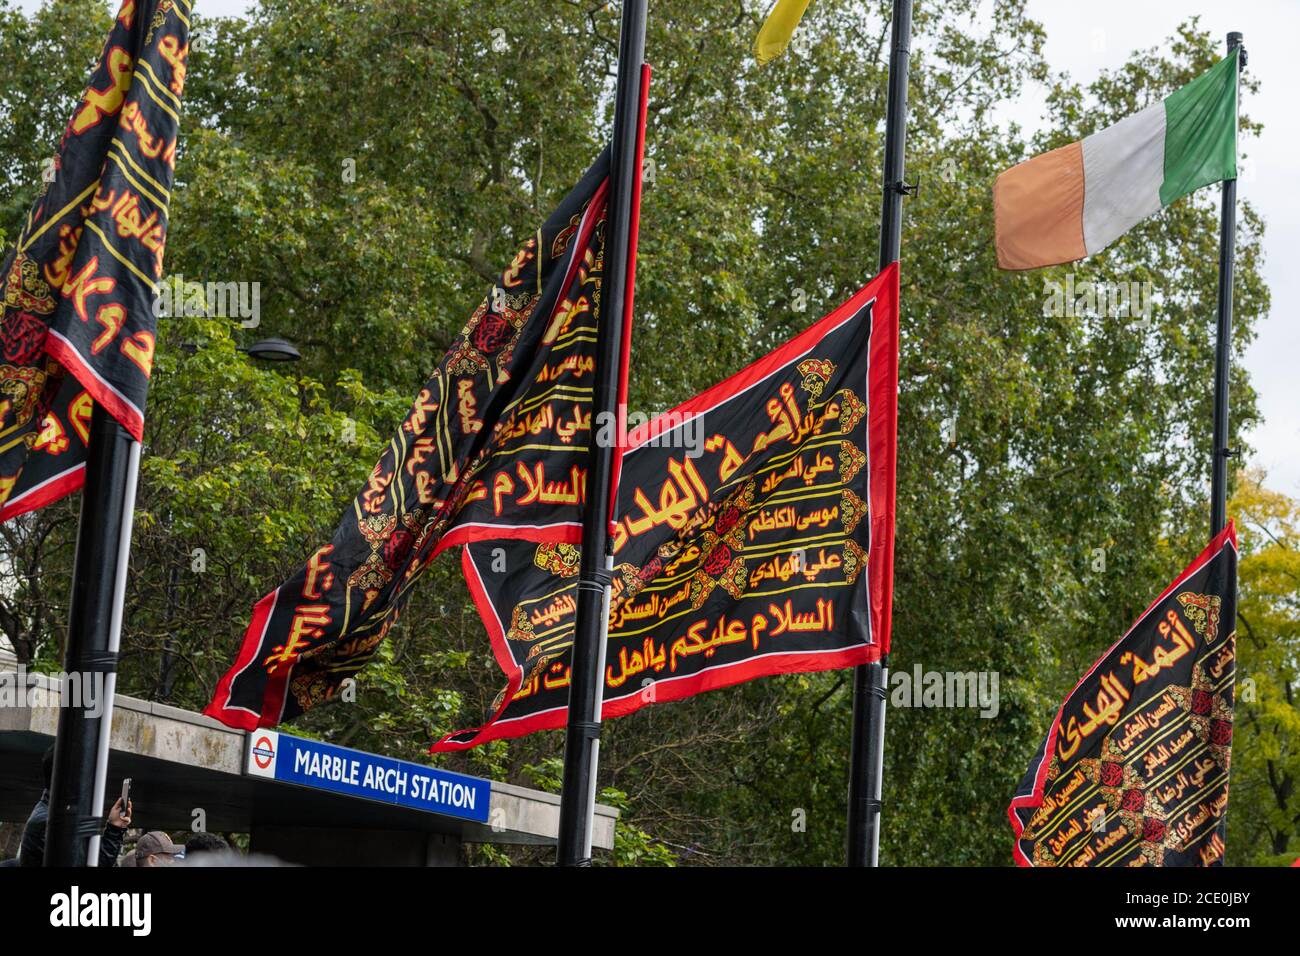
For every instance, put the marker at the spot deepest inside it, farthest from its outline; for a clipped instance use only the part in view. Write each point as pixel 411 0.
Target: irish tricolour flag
pixel 1076 200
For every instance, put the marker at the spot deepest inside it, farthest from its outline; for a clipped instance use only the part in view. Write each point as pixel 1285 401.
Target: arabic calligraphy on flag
pixel 506 411
pixel 753 536
pixel 77 327
pixel 1134 770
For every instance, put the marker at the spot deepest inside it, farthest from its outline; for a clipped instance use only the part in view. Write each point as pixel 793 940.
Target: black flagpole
pixel 866 764
pixel 582 736
pixel 1223 347
pixel 90 656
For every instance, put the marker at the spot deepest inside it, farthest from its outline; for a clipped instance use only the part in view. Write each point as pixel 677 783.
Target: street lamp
pixel 274 349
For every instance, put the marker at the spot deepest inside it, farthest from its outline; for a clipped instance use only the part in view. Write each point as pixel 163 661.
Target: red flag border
pixel 47 492
pixel 674 688
pixel 56 346
pixel 1035 797
pixel 882 410
pixel 102 391
pixel 275 695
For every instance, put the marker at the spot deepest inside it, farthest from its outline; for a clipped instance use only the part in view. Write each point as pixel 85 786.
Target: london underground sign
pixel 321 766
pixel 262 753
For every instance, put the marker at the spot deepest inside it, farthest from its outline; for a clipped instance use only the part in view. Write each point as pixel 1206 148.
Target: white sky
pixel 1086 38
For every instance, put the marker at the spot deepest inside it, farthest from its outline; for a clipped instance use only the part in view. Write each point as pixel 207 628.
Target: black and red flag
pixel 494 446
pixel 78 320
pixel 1134 770
pixel 753 535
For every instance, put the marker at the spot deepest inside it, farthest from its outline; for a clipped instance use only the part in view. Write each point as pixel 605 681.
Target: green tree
pixel 44 61
pixel 369 163
pixel 1264 822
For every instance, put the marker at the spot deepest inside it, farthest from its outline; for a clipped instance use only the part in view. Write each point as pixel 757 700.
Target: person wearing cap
pixel 156 848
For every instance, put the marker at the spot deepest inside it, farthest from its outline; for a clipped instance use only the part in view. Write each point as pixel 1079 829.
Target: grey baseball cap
pixel 155 841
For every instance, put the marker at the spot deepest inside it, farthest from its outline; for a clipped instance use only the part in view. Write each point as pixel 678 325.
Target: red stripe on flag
pixel 52 489
pixel 127 415
pixel 235 716
pixel 1035 799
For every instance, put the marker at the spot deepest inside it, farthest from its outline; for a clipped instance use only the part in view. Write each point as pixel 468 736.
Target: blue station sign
pixel 321 766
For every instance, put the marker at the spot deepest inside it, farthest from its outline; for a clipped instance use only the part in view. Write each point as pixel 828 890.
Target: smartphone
pixel 126 793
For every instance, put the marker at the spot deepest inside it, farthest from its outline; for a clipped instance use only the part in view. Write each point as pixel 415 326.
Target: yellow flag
pixel 778 28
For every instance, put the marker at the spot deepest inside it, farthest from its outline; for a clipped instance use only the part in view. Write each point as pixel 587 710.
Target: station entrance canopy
pixel 303 801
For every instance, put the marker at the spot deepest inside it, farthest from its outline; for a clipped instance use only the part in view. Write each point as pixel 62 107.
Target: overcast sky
pixel 1086 38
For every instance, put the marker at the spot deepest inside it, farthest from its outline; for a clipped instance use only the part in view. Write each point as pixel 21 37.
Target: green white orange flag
pixel 1074 201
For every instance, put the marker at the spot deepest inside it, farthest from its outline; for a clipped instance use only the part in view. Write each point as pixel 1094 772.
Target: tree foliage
pixel 371 163
pixel 1266 748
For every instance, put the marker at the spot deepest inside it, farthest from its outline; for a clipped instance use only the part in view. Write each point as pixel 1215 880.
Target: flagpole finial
pixel 1234 41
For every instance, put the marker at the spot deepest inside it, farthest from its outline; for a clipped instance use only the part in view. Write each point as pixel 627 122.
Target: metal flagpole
pixel 582 736
pixel 1223 348
pixel 866 764
pixel 94 628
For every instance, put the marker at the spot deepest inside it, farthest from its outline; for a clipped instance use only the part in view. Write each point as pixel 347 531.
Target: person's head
pixel 204 843
pixel 156 848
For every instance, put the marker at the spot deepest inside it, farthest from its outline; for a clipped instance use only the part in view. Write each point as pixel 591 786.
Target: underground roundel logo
pixel 261 753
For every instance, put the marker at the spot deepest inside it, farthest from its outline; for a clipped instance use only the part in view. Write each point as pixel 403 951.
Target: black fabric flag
pixel 494 445
pixel 1134 770
pixel 753 535
pixel 77 324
